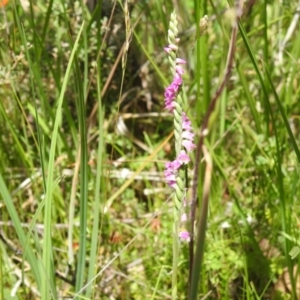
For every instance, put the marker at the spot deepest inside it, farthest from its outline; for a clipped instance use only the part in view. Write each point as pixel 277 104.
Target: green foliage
pixel 85 211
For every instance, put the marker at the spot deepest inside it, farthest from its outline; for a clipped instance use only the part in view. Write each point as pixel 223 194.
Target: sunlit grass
pixel 85 211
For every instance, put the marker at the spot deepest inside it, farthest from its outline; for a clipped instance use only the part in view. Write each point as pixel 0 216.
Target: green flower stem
pixel 180 179
pixel 172 35
pixel 178 196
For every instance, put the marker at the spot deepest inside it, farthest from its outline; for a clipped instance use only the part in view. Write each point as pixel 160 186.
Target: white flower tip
pixel 205 132
pixel 183 217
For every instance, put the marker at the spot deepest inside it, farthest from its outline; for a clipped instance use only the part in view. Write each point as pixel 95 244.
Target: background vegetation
pixel 84 137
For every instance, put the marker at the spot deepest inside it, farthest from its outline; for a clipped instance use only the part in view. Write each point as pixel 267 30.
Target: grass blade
pixel 83 204
pixel 29 253
pixel 48 275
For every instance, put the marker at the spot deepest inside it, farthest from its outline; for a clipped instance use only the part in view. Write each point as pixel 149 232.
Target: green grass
pixel 85 211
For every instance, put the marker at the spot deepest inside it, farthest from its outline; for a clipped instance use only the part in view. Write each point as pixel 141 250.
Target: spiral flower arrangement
pixel 184 144
pixel 184 137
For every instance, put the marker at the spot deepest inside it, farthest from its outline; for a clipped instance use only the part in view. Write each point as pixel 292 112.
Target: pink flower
pixel 187 135
pixel 188 145
pixel 170 48
pixel 170 93
pixel 180 61
pixel 177 81
pixel 173 166
pixel 186 123
pixel 172 90
pixel 184 235
pixel 179 70
pixel 183 158
pixel 171 172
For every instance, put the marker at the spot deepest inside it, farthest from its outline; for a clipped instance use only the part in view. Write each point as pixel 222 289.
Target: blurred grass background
pixel 84 137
